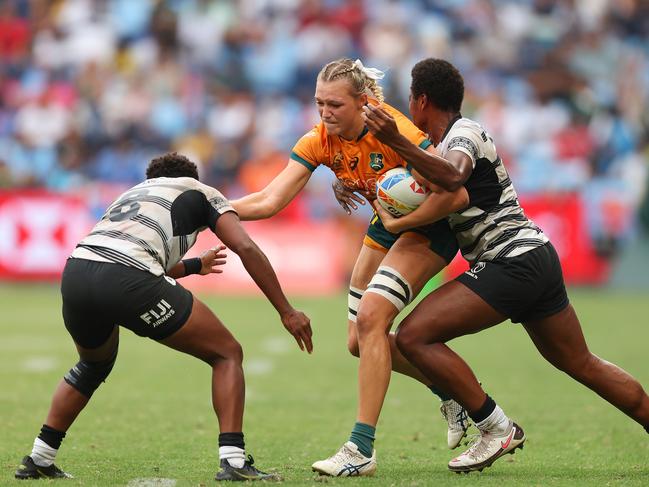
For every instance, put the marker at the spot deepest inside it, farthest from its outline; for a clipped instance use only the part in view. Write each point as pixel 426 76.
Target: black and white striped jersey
pixel 494 225
pixel 152 225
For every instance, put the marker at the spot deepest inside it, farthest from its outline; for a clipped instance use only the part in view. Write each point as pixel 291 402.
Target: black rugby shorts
pixel 524 288
pixel 97 296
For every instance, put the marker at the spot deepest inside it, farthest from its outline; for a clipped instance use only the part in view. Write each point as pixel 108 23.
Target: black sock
pixel 442 396
pixel 51 436
pixel 485 410
pixel 232 439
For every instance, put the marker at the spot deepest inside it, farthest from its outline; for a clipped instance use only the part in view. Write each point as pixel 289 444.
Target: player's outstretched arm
pixel 230 231
pixel 274 197
pixel 450 173
pixel 435 207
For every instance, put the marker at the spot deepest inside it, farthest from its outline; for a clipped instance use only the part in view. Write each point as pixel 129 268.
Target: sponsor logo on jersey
pixel 219 202
pixel 337 163
pixel 159 314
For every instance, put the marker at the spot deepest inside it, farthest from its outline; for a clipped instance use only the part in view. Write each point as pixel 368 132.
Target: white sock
pixel 235 456
pixel 496 422
pixel 42 453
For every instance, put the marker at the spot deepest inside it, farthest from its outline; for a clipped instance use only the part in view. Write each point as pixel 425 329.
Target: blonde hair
pixel 355 73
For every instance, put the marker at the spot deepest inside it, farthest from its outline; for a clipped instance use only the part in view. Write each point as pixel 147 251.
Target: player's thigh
pixel 403 272
pixel 86 288
pixel 204 336
pixel 450 311
pixel 559 337
pixel 412 257
pixel 368 260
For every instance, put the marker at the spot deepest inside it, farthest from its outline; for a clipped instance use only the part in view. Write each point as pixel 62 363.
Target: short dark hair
pixel 171 165
pixel 440 81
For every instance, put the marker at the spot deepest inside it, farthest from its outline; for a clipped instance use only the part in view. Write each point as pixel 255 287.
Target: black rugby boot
pixel 247 472
pixel 29 470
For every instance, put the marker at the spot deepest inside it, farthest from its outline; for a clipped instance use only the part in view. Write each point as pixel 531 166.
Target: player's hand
pixel 347 198
pixel 212 258
pixel 299 325
pixel 380 123
pixel 391 224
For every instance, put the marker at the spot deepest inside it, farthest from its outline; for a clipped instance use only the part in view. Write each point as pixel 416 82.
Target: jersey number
pixel 128 207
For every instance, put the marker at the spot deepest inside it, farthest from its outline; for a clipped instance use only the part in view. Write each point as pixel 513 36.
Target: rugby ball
pixel 398 192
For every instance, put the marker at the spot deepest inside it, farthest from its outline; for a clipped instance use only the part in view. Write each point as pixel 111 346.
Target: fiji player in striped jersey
pixel 123 273
pixel 515 272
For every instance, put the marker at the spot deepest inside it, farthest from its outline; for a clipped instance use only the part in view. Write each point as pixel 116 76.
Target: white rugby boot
pixel 458 422
pixel 347 462
pixel 488 448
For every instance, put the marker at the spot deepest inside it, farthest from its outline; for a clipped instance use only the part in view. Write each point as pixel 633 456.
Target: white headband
pixel 371 73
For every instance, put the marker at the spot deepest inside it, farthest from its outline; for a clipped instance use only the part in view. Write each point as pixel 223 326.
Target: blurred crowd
pixel 90 90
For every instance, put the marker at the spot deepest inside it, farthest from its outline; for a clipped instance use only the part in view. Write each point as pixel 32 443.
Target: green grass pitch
pixel 153 418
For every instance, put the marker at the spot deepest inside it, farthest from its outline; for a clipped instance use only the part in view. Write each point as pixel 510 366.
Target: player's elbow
pixel 452 182
pixel 461 199
pixel 269 205
pixel 256 206
pixel 243 247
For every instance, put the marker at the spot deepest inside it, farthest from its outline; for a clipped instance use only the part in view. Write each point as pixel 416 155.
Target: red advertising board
pixel 306 256
pixel 38 231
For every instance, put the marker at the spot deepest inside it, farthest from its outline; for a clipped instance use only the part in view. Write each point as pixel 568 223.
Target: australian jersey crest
pixel 376 161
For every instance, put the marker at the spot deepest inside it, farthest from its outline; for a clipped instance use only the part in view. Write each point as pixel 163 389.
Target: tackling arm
pixel 274 197
pixel 435 207
pixel 230 231
pixel 449 173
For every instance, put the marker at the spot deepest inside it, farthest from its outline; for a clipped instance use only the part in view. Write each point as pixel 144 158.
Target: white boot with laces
pixel 458 422
pixel 488 447
pixel 347 462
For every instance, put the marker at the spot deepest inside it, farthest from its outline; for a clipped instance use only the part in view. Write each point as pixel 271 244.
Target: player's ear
pixel 362 100
pixel 422 101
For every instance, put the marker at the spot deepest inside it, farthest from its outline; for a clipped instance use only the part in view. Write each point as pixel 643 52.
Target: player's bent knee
pixel 352 346
pixel 237 352
pixel 87 376
pixel 370 320
pixel 581 368
pixel 407 341
pixel 232 351
pixel 390 284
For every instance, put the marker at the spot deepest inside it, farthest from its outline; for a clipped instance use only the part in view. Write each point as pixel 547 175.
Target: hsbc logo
pixel 39 231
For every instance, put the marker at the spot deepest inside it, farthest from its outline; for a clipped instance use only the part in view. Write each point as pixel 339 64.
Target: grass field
pixel 153 418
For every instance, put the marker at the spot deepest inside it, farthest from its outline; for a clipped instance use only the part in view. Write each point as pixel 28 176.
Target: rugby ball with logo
pixel 398 192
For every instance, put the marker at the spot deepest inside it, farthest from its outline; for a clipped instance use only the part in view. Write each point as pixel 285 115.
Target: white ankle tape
pixel 234 455
pixel 42 453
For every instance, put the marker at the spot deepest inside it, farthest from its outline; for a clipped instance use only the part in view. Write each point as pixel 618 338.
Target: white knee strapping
pixel 392 286
pixel 353 300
